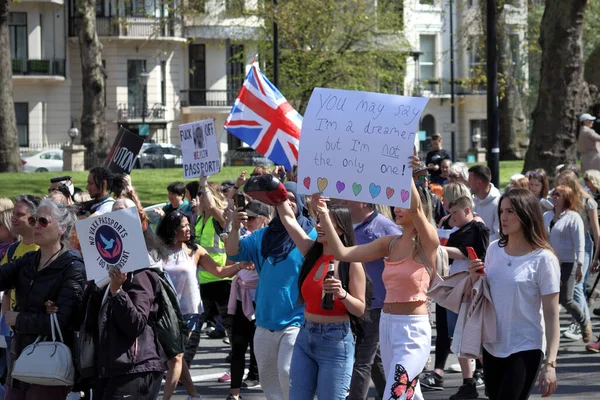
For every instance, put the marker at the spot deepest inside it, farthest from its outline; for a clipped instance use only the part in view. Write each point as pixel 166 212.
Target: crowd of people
pixel 258 274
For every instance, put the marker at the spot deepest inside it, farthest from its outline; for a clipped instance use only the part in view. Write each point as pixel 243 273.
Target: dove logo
pixel 109 244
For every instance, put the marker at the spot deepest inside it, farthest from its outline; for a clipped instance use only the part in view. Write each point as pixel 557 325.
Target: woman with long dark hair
pixel 182 264
pixel 405 331
pixel 324 351
pixel 523 275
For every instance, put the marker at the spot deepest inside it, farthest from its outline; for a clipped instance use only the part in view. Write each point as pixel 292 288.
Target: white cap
pixel 586 117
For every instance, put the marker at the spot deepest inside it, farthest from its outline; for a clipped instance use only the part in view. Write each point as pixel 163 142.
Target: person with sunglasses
pixel 25 206
pixel 567 237
pixel 54 272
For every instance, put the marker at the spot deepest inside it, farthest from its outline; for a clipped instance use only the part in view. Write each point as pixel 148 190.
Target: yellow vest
pixel 207 237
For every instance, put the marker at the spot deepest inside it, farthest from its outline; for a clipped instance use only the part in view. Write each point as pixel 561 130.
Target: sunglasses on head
pixel 42 221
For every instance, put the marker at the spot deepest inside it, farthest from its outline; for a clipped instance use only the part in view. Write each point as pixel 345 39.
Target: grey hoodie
pixel 487 209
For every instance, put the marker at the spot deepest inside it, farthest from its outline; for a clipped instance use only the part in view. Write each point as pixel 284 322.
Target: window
pixel 390 14
pixel 428 2
pixel 234 7
pixel 100 8
pixel 163 83
pixel 17 28
pixel 198 6
pixel 427 59
pixel 22 117
pixel 197 92
pixel 479 126
pixel 235 70
pixel 476 53
pixel 135 92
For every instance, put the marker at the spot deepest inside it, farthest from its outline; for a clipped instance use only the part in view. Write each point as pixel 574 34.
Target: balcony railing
pixel 52 67
pixel 208 98
pixel 128 26
pixel 156 112
pixel 462 86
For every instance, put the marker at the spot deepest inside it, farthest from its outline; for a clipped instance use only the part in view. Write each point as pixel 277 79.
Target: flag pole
pixel 275 51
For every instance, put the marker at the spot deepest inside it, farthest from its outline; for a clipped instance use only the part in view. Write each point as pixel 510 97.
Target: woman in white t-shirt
pixel 523 274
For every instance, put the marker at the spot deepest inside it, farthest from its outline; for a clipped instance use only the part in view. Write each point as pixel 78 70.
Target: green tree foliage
pixel 327 43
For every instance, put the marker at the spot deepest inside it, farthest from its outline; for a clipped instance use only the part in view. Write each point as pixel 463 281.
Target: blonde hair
pixel 6 204
pixel 82 197
pixel 386 211
pixel 570 179
pixel 6 212
pixel 593 177
pixel 454 191
pixel 217 195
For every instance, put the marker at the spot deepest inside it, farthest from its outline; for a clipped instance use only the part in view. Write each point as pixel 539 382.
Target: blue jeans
pixel 579 289
pixel 322 361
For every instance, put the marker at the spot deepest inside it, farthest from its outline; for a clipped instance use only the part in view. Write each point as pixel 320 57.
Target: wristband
pixel 549 363
pixel 346 295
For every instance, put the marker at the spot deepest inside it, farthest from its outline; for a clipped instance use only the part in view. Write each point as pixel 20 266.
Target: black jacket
pixel 62 281
pixel 128 344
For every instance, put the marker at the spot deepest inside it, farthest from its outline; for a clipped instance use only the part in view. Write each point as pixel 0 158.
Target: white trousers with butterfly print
pixel 405 343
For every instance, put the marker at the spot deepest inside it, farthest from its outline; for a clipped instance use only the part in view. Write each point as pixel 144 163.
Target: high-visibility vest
pixel 207 237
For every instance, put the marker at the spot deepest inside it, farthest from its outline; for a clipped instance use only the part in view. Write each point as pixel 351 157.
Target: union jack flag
pixel 263 118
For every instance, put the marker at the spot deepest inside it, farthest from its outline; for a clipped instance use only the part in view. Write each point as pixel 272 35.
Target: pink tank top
pixel 406 280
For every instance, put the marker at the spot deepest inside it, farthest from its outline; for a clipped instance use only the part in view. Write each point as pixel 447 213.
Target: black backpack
pixel 356 323
pixel 169 326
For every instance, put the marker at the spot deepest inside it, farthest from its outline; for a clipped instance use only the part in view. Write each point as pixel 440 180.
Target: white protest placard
pixel 112 240
pixel 199 148
pixel 356 146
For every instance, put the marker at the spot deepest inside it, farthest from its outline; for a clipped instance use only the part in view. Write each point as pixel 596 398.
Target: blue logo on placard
pixel 109 244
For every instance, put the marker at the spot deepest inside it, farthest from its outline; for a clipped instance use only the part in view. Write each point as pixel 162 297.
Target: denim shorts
pixel 452 318
pixel 192 321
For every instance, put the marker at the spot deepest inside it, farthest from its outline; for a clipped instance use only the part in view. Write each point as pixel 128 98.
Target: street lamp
pixel 143 80
pixel 73 133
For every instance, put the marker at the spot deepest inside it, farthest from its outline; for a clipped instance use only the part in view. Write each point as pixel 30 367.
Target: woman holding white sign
pixel 405 331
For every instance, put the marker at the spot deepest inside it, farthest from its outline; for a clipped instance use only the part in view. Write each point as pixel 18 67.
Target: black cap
pixel 436 136
pixel 255 208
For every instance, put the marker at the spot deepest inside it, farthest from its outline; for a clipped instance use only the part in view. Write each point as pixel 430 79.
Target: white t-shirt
pixel 517 292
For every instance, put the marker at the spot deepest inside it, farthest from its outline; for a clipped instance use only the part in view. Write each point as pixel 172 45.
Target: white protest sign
pixel 112 240
pixel 356 146
pixel 199 148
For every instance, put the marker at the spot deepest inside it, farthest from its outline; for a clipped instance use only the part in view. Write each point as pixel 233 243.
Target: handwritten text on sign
pixel 199 149
pixel 356 145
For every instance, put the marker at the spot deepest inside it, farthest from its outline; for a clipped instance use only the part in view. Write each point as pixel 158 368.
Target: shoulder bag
pixel 46 363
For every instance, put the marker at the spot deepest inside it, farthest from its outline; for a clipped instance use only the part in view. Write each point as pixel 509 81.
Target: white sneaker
pixel 573 333
pixel 194 398
pixel 454 368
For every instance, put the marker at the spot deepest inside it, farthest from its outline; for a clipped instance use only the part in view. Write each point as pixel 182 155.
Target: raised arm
pixel 360 253
pixel 300 238
pixel 204 260
pixel 213 210
pixel 426 231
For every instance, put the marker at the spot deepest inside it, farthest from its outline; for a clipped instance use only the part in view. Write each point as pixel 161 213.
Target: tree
pixel 563 94
pixel 93 120
pixel 327 43
pixel 9 146
pixel 512 122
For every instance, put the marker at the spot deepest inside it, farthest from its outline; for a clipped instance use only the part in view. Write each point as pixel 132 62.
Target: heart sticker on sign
pixel 306 182
pixel 340 186
pixel 374 190
pixel 389 192
pixel 356 188
pixel 404 194
pixel 322 184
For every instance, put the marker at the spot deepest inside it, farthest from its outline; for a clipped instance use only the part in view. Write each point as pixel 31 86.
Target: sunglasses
pixel 555 194
pixel 423 178
pixel 42 221
pixel 251 218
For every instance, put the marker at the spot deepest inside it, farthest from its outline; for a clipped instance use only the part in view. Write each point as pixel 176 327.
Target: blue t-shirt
pixel 374 227
pixel 277 291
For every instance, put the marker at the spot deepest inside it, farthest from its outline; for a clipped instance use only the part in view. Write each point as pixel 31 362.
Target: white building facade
pixel 427 26
pixel 195 67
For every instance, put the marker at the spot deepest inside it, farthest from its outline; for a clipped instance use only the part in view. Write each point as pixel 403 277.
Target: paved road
pixel 578 373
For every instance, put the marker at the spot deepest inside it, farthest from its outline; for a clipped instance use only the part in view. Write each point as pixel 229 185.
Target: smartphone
pixel 473 256
pixel 240 201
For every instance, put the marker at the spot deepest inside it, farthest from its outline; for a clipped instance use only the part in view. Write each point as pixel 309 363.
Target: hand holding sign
pixel 355 146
